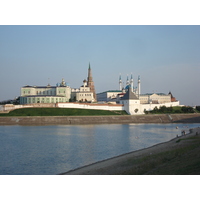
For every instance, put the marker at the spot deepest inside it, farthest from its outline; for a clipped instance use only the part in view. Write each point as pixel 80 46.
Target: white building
pixel 109 95
pixel 82 94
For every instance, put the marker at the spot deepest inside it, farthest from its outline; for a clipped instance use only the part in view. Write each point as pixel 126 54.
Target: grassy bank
pixel 60 112
pixel 183 159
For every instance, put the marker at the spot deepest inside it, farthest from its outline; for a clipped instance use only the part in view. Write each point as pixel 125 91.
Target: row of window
pixel 45 92
pixel 85 94
pixel 43 100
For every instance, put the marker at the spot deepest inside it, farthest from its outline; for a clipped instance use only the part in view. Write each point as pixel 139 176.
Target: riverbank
pixel 179 156
pixel 112 119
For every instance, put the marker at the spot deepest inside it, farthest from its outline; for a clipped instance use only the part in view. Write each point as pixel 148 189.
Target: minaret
pixel 90 82
pixel 120 82
pixel 138 86
pixel 127 81
pixel 131 83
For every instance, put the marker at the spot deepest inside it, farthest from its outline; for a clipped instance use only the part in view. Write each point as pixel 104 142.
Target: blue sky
pixel 166 57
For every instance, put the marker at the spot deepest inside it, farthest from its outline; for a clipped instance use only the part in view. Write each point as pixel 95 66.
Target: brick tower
pixel 90 82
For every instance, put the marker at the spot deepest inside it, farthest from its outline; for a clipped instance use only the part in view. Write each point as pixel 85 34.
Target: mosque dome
pixel 128 86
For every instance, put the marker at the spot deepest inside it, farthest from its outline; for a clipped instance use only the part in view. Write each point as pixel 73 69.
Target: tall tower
pixel 120 82
pixel 138 86
pixel 90 82
pixel 131 83
pixel 127 81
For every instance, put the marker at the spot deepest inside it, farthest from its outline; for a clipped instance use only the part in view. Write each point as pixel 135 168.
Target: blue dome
pixel 128 86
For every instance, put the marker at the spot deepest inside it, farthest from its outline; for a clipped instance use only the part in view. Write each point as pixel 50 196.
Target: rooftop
pixel 129 95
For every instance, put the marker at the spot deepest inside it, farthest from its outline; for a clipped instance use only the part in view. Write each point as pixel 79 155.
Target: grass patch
pixel 181 160
pixel 60 112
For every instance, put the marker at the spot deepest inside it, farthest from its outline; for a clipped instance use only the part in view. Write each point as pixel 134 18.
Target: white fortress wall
pixel 150 107
pixel 91 106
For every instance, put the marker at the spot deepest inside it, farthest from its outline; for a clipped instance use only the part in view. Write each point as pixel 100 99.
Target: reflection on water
pixel 57 149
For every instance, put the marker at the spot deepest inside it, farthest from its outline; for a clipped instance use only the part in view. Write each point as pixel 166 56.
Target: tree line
pixel 176 109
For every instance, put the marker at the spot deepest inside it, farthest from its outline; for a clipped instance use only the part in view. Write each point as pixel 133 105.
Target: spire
pixel 120 82
pixel 127 81
pixel 120 78
pixel 138 86
pixel 90 82
pixel 89 66
pixel 131 82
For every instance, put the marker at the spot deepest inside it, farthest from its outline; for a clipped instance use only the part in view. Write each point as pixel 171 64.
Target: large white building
pixel 45 94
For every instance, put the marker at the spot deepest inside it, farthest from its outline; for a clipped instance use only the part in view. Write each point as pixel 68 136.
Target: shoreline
pixel 104 119
pixel 140 161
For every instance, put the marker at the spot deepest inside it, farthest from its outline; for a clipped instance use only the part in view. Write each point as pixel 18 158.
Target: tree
pixel 187 109
pixel 155 110
pixel 198 108
pixel 136 110
pixel 163 109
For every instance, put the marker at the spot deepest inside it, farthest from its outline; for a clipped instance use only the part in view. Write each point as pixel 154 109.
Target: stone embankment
pixel 120 119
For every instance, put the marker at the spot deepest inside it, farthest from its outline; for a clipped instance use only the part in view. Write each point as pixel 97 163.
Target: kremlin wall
pixel 128 97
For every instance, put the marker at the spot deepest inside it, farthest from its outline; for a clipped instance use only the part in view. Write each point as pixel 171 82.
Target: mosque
pixel 133 101
pixel 113 96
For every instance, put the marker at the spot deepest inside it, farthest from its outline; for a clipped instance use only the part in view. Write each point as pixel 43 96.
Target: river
pixel 48 150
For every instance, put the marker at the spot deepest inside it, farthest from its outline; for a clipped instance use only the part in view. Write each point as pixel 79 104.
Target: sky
pixel 166 57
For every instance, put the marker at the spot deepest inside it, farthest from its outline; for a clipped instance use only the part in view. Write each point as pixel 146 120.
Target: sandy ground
pixel 170 157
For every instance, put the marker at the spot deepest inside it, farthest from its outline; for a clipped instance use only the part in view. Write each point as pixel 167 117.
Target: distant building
pixel 45 94
pixel 132 104
pixel 83 94
pixel 149 98
pixel 60 93
pixel 155 98
pixel 109 95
